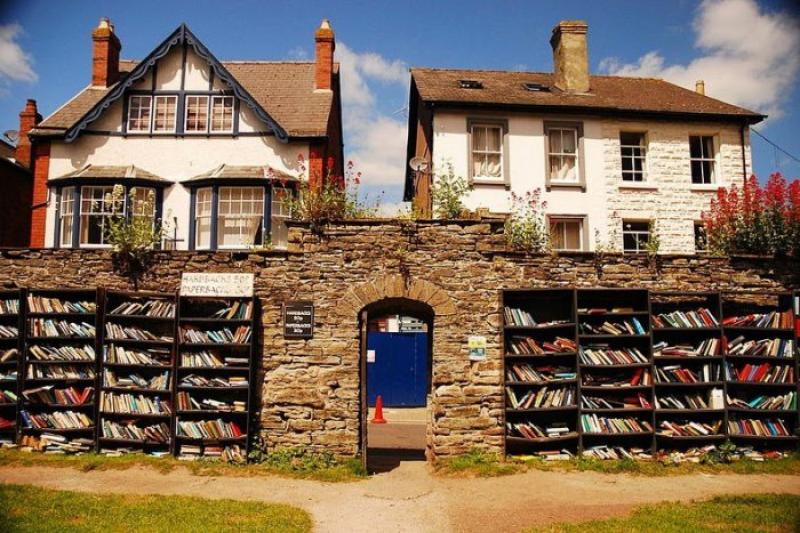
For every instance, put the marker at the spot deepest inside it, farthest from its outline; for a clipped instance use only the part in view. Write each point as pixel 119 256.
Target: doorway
pixel 396 349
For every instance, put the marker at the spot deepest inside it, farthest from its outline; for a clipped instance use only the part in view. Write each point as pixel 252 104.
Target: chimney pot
pixel 29 117
pixel 325 44
pixel 570 56
pixel 700 87
pixel 105 54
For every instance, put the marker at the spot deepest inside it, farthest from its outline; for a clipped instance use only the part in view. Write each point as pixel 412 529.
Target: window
pixel 241 215
pixel 202 215
pixel 196 114
pixel 66 212
pixel 97 209
pixel 633 151
pixel 139 114
pixel 700 237
pixel 562 154
pixel 487 151
pixel 703 161
pixel 164 114
pixel 280 214
pixel 635 236
pixel 143 203
pixel 566 233
pixel 222 114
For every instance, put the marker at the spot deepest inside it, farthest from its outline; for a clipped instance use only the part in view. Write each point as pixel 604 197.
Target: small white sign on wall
pixel 222 284
pixel 477 347
pixel 370 356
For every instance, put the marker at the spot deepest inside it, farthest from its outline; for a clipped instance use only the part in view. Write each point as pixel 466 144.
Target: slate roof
pixel 608 94
pixel 110 171
pixel 241 172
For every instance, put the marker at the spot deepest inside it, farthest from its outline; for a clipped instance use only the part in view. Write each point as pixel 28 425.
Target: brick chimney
pixel 28 119
pixel 323 62
pixel 570 56
pixel 700 87
pixel 105 54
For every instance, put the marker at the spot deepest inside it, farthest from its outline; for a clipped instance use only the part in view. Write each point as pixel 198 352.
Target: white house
pixel 610 154
pixel 216 143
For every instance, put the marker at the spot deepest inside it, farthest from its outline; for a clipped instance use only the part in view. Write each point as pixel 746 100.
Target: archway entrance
pixel 396 360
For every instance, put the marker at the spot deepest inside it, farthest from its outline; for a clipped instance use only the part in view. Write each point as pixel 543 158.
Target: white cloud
pixel 298 53
pixel 749 56
pixel 15 63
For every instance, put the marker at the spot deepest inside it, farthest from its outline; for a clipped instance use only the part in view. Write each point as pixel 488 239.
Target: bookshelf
pixel 688 361
pixel 539 343
pixel 60 369
pixel 12 325
pixel 214 377
pixel 136 407
pixel 761 368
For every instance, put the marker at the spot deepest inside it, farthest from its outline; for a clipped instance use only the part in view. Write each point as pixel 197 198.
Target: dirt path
pixel 409 499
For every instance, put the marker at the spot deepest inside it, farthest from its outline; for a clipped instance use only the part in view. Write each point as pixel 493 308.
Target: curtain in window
pixel 241 212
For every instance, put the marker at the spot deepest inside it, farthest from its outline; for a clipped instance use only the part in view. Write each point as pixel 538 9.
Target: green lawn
pixel 26 508
pixel 772 513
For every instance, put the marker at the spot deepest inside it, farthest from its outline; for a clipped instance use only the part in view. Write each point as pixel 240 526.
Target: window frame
pixel 713 159
pixel 505 177
pixel 241 215
pixel 583 235
pixel 223 97
pixel 577 126
pixel 129 109
pixel 186 98
pixel 644 147
pixel 640 249
pixel 156 97
pixel 280 218
pixel 105 215
pixel 61 217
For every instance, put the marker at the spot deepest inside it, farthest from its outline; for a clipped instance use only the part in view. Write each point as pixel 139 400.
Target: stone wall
pixel 310 392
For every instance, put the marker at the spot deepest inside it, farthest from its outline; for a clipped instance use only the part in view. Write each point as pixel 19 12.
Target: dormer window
pixel 151 114
pixel 222 114
pixel 470 84
pixel 200 118
pixel 535 87
pixel 196 114
pixel 139 114
pixel 165 114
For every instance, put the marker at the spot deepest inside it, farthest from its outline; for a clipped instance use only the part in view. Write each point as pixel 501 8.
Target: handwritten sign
pixel 298 320
pixel 228 285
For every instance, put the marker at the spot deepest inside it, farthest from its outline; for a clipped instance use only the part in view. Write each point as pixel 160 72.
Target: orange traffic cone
pixel 378 417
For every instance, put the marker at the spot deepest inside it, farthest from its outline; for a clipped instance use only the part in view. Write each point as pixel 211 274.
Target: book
pixel 9 307
pixel 529 346
pixel 604 355
pixel 43 304
pixel 699 318
pixel 772 319
pixel 157 308
pixel 630 326
pixel 592 423
pixel 687 428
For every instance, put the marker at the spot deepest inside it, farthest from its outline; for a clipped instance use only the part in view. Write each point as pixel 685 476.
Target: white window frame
pixel 139 109
pixel 279 214
pixel 242 217
pixel 214 99
pixel 639 248
pixel 92 212
pixel 203 197
pixel 66 214
pixel 577 130
pixel 552 220
pixel 642 157
pixel 485 152
pixel 704 158
pixel 167 97
pixel 186 113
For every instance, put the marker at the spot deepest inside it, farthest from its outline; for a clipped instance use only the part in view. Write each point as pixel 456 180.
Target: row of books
pixel 526 372
pixel 194 380
pixel 66 396
pixel 7 396
pixel 185 402
pixel 527 345
pixel 50 443
pixel 158 433
pixel 151 356
pixel 229 454
pixel 713 399
pixel 44 352
pixel 9 354
pixel 679 374
pixel 9 307
pixel 529 430
pixel 763 373
pixel 606 310
pixel 602 424
pixel 118 332
pixel 238 310
pixel 773 319
pixel 47 327
pixel 786 401
pixel 700 318
pixel 224 336
pixel 669 428
pixel 111 402
pixel 759 428
pixel 56 420
pixel 602 354
pixel 783 348
pixel 626 327
pixel 10 375
pixel 615 453
pixel 638 401
pixel 543 398
pixel 151 308
pixel 639 377
pixel 131 381
pixel 6 423
pixel 8 332
pixel 209 429
pixel 42 304
pixel 59 372
pixel 706 348
pixel 206 359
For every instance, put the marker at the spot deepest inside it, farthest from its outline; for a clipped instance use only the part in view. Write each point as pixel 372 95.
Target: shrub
pixel 448 193
pixel 526 228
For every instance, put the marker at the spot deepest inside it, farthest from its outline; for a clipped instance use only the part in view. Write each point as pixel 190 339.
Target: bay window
pixel 279 215
pixel 240 219
pixel 66 214
pixel 202 215
pixel 97 209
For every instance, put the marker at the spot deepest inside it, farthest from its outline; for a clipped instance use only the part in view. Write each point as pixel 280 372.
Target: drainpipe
pixel 744 153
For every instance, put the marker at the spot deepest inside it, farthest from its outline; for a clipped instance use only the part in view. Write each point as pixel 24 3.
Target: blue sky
pixel 746 51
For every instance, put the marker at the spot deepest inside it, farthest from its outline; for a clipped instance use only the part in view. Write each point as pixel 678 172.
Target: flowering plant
pixel 448 192
pixel 526 227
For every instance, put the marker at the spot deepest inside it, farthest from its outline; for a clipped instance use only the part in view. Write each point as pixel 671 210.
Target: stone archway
pixel 395 286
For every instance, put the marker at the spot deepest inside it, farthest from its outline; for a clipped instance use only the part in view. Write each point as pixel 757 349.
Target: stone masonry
pixel 310 390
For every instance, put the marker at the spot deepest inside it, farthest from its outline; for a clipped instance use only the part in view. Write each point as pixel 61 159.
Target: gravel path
pixel 410 499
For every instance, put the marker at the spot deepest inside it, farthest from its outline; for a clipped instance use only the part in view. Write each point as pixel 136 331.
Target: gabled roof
pixel 280 93
pixel 608 94
pixel 129 172
pixel 224 171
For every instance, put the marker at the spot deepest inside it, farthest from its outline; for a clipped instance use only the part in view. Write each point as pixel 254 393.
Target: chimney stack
pixel 323 61
pixel 105 54
pixel 28 119
pixel 570 56
pixel 700 87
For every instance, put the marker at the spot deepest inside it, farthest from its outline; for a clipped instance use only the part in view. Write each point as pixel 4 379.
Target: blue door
pixel 399 370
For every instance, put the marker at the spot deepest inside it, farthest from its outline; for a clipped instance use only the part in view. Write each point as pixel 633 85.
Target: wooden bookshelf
pixel 51 369
pixel 139 346
pixel 202 315
pixel 11 348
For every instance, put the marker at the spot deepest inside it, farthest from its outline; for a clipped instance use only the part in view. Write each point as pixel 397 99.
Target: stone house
pixel 610 154
pixel 218 145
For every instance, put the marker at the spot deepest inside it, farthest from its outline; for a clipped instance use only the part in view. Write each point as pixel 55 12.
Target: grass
pixel 481 464
pixel 733 514
pixel 283 464
pixel 27 508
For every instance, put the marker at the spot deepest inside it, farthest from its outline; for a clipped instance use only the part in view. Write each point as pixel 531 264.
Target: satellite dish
pixel 418 164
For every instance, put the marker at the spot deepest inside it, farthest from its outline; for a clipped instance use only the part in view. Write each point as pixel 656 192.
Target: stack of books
pixel 529 430
pixel 235 311
pixel 778 402
pixel 602 354
pixel 544 398
pixel 133 381
pixel 8 332
pixel 7 397
pixel 529 346
pixel 151 308
pixel 679 374
pixel 194 380
pixel 615 453
pixel 633 402
pixel 224 336
pixel 41 304
pixel 706 348
pixel 204 359
pixel 56 420
pixel 232 454
pixel 700 318
pixel 46 327
pixel 125 356
pixel 689 428
pixel 527 373
pixel 711 400
pixel 129 404
pixel 50 443
pixel 631 326
pixel 117 332
pixel 602 424
pixel 763 373
pixel 59 372
pixel 764 347
pixel 773 319
pixel 9 307
pixel 41 352
pixel 639 377
pixel 209 429
pixel 53 396
pixel 130 431
pixel 759 428
pixel 185 402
